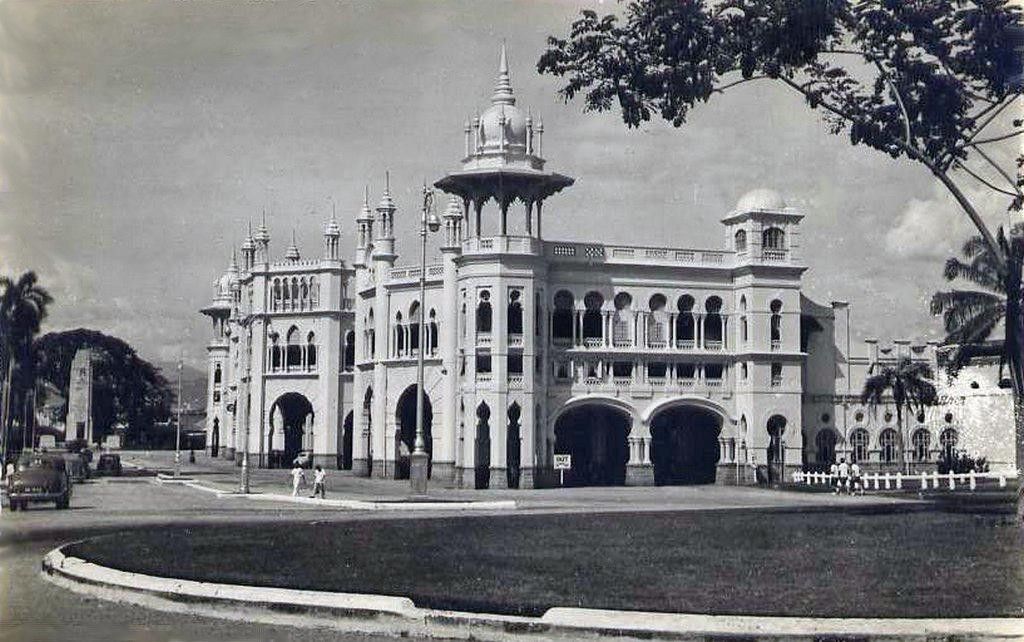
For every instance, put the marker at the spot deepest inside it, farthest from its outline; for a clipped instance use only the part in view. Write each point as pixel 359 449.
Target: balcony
pixel 685 344
pixel 713 383
pixel 502 245
pixel 686 382
pixel 593 342
pixel 515 340
pixel 773 256
pixel 711 344
pixel 515 382
pixel 483 377
pixel 622 382
pixel 483 338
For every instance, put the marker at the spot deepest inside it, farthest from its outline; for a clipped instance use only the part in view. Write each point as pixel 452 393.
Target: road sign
pixel 562 464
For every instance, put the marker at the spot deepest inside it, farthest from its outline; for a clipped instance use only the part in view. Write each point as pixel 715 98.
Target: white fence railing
pixel 919 481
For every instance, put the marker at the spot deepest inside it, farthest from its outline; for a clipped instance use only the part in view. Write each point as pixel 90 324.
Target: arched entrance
pixel 405 417
pixel 346 444
pixel 291 417
pixel 595 435
pixel 684 445
pixel 776 448
pixel 482 447
pixel 215 438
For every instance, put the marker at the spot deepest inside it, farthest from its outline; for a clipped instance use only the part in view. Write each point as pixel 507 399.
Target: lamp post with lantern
pixel 419 460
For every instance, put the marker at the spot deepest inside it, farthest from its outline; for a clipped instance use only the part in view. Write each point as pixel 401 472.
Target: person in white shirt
pixel 855 482
pixel 319 483
pixel 844 475
pixel 833 476
pixel 298 477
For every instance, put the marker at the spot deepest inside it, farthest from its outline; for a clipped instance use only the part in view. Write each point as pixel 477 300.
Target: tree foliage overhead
pixel 126 388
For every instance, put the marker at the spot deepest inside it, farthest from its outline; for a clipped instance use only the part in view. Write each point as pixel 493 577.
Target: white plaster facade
pixel 647 363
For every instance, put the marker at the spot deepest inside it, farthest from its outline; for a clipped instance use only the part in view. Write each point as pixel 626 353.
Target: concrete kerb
pixel 348 504
pixel 376 614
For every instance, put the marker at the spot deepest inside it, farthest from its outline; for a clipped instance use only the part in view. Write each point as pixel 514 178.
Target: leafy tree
pixel 971 316
pixel 126 388
pixel 23 306
pixel 928 81
pixel 910 387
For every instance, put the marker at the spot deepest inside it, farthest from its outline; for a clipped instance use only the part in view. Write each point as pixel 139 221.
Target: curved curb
pixel 380 614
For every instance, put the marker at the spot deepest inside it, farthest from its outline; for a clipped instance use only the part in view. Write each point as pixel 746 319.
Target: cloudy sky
pixel 138 138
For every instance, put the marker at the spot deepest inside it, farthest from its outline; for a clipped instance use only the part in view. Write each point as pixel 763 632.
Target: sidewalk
pixel 343 488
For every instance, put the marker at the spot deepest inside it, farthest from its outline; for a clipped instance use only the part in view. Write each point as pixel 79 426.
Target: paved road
pixel 33 609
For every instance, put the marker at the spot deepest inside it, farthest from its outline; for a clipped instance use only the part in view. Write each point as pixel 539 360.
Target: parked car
pixel 109 464
pixel 39 477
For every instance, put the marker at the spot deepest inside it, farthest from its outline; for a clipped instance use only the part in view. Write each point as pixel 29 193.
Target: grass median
pixel 824 564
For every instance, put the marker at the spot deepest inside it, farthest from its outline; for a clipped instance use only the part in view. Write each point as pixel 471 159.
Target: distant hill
pixel 193 383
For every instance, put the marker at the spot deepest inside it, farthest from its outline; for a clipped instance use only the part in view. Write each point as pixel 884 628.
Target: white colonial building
pixel 647 364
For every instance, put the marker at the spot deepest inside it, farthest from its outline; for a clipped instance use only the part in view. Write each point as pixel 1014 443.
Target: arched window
pixel 921 441
pixel 621 325
pixel 483 313
pixel 859 445
pixel 561 317
pixel 286 295
pixel 744 330
pixel 773 238
pixel 295 292
pixel 656 321
pixel 370 343
pixel 293 354
pixel 275 352
pixel 592 320
pixel 887 444
pixel 537 317
pixel 462 321
pixel 216 374
pixel 304 295
pixel 948 441
pixel 740 241
pixel 515 312
pixel 825 442
pixel 775 324
pixel 686 324
pixel 713 323
pixel 432 330
pixel 743 370
pixel 311 351
pixel 399 332
pixel 277 295
pixel 350 350
pixel 414 327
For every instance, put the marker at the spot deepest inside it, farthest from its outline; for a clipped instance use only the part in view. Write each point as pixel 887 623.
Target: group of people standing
pixel 319 481
pixel 846 478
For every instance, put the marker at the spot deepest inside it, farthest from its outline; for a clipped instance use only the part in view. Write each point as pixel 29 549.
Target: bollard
pixel 899 481
pixel 973 480
pixel 887 481
pixel 1002 481
pixel 935 480
pixel 807 479
pixel 876 480
pixel 924 481
pixel 952 482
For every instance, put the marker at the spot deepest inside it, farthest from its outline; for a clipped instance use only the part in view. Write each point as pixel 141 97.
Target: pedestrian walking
pixel 319 483
pixel 844 475
pixel 833 476
pixel 856 484
pixel 298 478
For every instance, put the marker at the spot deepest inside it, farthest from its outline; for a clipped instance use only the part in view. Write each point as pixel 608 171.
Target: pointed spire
pixel 233 266
pixel 503 88
pixel 292 254
pixel 386 202
pixel 366 214
pixel 262 234
pixel 248 243
pixel 332 226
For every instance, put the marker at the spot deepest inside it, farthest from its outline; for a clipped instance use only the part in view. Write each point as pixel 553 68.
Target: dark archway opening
pixel 368 423
pixel 345 456
pixel 482 447
pixel 512 447
pixel 596 437
pixel 684 446
pixel 406 437
pixel 288 419
pixel 776 448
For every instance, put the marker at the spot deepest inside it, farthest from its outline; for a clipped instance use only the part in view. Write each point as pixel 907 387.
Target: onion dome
pixel 760 199
pixel 503 114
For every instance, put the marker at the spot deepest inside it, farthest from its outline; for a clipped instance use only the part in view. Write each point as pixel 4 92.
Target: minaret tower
pixel 364 232
pixel 332 234
pixel 248 251
pixel 263 241
pixel 383 260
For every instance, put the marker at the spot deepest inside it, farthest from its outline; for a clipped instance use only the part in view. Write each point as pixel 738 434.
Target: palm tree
pixel 23 306
pixel 909 383
pixel 971 316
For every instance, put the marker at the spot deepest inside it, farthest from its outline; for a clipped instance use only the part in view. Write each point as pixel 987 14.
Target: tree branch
pixel 721 90
pixel 1001 171
pixel 899 101
pixel 995 139
pixel 981 180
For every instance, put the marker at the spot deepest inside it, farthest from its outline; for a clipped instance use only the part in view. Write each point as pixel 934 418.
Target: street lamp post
pixel 419 461
pixel 177 429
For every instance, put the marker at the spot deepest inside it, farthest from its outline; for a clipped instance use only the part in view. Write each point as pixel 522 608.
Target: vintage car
pixel 39 477
pixel 109 464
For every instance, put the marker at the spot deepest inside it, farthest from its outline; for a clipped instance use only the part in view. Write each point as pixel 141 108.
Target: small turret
pixel 453 224
pixel 364 231
pixel 384 244
pixel 332 233
pixel 263 240
pixel 292 253
pixel 249 251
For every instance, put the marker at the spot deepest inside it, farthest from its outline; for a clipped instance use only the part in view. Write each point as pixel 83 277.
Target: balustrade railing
pixel 483 338
pixel 515 382
pixel 898 481
pixel 712 344
pixel 776 345
pixel 515 340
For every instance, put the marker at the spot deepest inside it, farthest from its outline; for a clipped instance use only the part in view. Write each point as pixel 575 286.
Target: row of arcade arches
pixel 684 445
